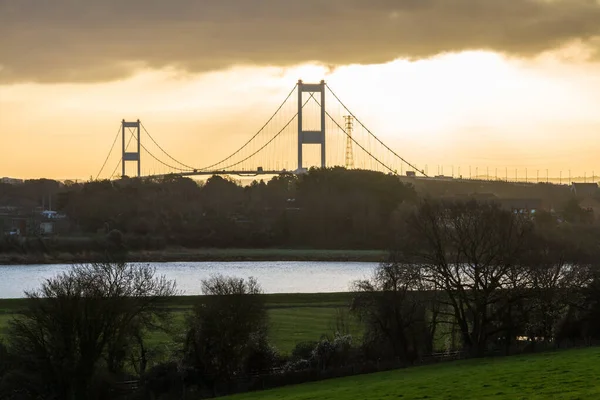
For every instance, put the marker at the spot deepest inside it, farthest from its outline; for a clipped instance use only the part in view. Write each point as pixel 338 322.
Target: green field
pixel 573 374
pixel 294 317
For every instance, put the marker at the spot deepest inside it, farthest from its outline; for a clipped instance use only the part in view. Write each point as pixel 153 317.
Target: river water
pixel 273 276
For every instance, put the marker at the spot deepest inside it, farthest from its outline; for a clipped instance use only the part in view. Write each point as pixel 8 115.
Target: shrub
pixel 329 353
pixel 303 350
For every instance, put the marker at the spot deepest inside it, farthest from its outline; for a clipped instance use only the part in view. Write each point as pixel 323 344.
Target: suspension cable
pixel 359 145
pixel 351 138
pixel 162 162
pixel 255 135
pixel 119 163
pixel 266 144
pixel 371 133
pixel 163 150
pixel 109 152
pixel 115 170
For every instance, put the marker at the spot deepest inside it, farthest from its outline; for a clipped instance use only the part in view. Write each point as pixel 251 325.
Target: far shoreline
pixel 203 255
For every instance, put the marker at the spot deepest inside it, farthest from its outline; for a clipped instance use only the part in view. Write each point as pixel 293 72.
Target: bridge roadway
pixel 260 171
pixel 238 173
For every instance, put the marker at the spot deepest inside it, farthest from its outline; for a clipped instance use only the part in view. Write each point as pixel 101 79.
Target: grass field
pixel 572 374
pixel 294 317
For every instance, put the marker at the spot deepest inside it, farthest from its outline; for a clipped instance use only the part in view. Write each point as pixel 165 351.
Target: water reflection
pixel 274 276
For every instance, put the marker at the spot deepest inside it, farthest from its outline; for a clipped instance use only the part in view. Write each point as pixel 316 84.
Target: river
pixel 274 276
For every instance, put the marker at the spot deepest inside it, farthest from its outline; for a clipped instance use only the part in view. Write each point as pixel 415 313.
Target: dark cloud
pixel 85 40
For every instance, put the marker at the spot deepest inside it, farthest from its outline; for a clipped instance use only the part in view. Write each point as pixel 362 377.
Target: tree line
pixel 331 208
pixel 462 276
pixel 324 208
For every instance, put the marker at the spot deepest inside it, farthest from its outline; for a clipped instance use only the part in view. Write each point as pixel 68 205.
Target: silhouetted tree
pixel 348 208
pixel 555 278
pixel 472 252
pixel 572 212
pixel 227 332
pixel 324 208
pixel 82 323
pixel 396 313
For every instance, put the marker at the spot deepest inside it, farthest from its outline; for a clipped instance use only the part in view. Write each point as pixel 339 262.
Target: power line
pixel 109 152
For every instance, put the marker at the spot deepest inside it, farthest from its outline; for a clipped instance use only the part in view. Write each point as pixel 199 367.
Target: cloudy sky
pixel 481 83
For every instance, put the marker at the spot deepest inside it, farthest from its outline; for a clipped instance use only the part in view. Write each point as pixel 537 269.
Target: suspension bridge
pixel 311 127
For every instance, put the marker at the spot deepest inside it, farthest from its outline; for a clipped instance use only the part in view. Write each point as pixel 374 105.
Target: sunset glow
pixel 481 108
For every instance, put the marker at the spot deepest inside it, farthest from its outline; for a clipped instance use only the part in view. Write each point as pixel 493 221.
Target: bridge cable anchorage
pixel 271 140
pixel 353 140
pixel 109 152
pixel 162 162
pixel 163 150
pixel 255 135
pixel 371 133
pixel 119 163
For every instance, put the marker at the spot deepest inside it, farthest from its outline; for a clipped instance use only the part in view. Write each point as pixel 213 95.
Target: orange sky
pixel 500 107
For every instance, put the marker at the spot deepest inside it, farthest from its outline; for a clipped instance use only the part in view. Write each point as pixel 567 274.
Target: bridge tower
pixel 131 155
pixel 311 137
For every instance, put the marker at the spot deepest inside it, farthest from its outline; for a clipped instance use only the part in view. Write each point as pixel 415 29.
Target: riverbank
pixel 206 254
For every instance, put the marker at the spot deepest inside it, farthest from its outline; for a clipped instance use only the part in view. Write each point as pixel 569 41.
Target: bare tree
pixel 555 279
pixel 473 253
pixel 81 322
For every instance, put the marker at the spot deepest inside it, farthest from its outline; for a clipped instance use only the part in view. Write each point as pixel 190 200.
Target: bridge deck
pixel 238 173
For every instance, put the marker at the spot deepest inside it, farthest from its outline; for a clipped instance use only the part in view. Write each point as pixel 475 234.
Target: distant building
pixel 49 214
pixel 11 181
pixel 47 228
pixel 14 225
pixel 584 189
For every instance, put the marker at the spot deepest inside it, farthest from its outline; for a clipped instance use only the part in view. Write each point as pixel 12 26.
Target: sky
pixel 493 85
